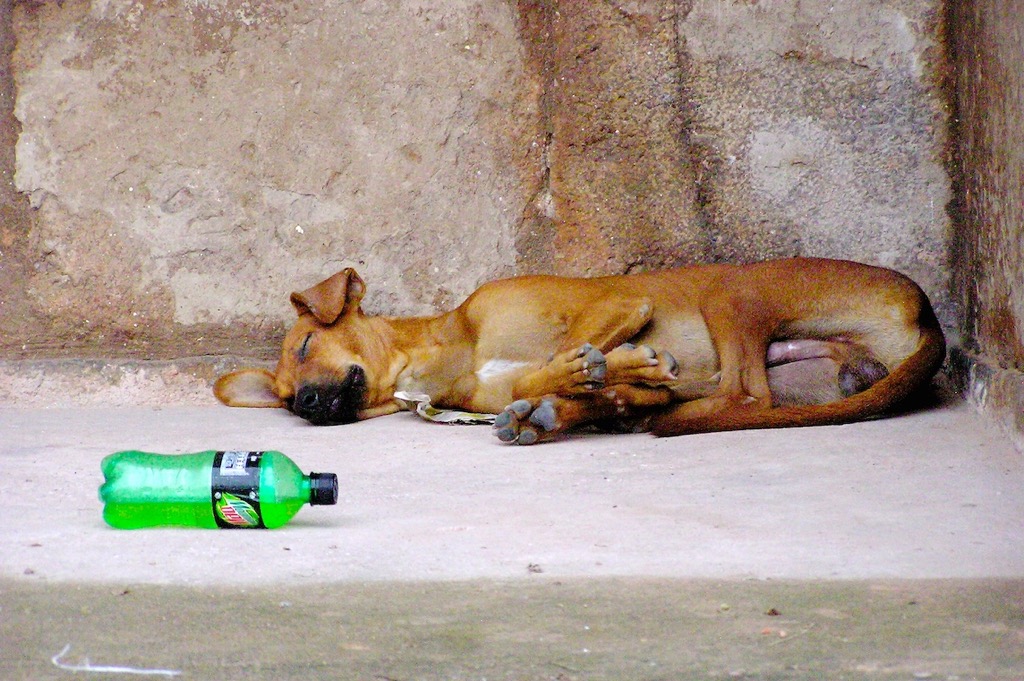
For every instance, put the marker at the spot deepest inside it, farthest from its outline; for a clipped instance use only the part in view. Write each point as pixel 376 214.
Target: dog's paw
pixel 526 423
pixel 630 363
pixel 578 371
pixel 594 366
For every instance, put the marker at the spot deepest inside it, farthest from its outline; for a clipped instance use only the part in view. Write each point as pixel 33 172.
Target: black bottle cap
pixel 323 489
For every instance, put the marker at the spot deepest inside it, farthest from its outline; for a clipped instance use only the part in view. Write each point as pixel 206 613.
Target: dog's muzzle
pixel 331 403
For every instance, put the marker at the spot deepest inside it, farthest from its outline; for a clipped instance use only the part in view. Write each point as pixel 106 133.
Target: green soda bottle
pixel 229 489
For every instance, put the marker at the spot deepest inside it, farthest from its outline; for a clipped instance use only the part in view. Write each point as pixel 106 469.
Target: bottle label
pixel 235 489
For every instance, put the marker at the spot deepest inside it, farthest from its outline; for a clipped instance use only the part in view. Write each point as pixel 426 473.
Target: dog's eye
pixel 304 350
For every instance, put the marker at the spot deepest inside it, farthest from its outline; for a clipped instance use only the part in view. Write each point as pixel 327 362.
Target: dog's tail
pixel 913 373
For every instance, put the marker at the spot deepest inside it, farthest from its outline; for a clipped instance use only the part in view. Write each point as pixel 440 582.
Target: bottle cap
pixel 323 489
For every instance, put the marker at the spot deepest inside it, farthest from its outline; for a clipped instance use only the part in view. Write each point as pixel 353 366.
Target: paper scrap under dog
pixel 420 403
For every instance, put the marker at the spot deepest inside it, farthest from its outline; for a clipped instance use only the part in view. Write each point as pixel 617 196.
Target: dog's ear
pixel 247 388
pixel 331 298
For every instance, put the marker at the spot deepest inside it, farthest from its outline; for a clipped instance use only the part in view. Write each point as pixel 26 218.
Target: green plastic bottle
pixel 230 489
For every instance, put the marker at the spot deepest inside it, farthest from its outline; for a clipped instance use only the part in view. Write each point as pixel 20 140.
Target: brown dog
pixel 795 342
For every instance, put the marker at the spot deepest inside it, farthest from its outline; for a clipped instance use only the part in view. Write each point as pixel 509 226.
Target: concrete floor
pixel 887 549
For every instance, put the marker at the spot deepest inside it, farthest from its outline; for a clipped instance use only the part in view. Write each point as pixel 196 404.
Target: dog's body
pixel 779 343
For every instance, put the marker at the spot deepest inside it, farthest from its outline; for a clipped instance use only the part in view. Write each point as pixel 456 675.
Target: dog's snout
pixel 332 402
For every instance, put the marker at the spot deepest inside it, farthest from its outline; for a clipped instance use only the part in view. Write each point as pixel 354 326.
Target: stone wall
pixel 170 171
pixel 15 216
pixel 181 166
pixel 988 248
pixel 189 163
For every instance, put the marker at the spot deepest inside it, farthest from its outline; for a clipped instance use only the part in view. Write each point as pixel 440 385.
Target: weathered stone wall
pixel 617 189
pixel 720 131
pixel 190 162
pixel 988 248
pixel 825 128
pixel 15 217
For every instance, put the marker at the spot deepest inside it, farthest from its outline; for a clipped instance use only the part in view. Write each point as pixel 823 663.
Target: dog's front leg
pixel 528 421
pixel 580 364
pixel 570 372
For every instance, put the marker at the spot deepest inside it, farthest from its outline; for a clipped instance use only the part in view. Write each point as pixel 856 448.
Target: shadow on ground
pixel 538 628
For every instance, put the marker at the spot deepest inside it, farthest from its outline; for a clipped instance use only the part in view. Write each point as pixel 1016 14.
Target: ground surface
pixel 892 549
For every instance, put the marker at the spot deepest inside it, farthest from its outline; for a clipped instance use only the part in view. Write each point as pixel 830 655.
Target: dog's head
pixel 331 360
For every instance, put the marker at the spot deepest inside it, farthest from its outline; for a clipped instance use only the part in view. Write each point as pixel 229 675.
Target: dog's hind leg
pixel 801 372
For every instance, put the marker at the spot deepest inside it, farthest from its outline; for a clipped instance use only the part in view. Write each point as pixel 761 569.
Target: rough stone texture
pixel 822 131
pixel 192 162
pixel 189 163
pixel 617 191
pixel 988 248
pixel 15 257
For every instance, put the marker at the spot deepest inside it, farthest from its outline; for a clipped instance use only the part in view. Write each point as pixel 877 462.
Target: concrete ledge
pixel 536 630
pixel 51 383
pixel 996 391
pixel 62 383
